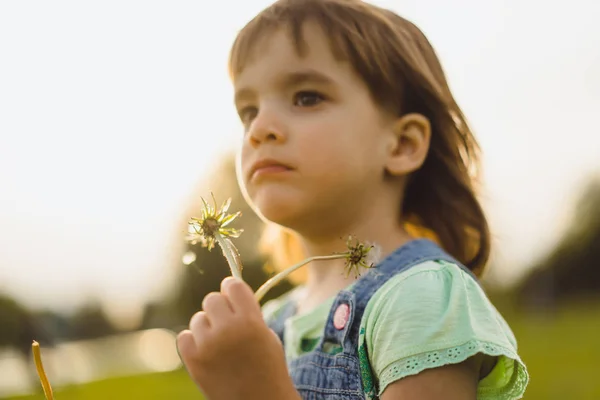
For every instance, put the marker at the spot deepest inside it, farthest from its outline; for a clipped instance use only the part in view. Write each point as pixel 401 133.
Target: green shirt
pixel 431 315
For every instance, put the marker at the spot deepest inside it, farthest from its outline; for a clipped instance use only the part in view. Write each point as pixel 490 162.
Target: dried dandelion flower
pixel 210 228
pixel 37 357
pixel 358 255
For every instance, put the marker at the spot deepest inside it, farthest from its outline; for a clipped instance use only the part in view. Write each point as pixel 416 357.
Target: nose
pixel 266 127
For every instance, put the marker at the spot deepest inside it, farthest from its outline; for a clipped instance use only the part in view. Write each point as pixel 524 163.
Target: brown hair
pixel 404 75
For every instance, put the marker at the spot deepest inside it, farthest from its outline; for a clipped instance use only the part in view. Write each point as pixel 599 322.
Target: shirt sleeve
pixel 436 314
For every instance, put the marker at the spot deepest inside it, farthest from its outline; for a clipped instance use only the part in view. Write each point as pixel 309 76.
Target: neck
pixel 326 277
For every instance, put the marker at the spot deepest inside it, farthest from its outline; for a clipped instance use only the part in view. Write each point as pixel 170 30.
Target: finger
pixel 240 295
pixel 216 305
pixel 186 347
pixel 199 326
pixel 188 353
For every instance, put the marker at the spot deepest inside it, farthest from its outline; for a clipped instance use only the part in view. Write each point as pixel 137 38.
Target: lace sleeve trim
pixel 513 389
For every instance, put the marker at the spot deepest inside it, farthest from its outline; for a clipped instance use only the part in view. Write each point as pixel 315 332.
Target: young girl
pixel 350 128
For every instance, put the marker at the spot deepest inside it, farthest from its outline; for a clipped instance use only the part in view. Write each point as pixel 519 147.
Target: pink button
pixel 340 318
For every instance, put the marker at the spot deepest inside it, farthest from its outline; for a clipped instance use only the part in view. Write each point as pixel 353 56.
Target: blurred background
pixel 116 116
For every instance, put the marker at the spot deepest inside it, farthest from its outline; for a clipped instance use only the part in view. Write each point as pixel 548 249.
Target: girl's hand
pixel 230 352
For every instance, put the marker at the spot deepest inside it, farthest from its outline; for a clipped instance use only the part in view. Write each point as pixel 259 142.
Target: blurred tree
pixel 159 315
pixel 572 269
pixel 19 327
pixel 53 325
pixel 12 319
pixel 90 322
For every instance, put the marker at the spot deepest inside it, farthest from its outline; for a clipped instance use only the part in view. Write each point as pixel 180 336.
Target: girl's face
pixel 315 142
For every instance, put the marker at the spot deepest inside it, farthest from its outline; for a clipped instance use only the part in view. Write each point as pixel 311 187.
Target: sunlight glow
pixel 105 133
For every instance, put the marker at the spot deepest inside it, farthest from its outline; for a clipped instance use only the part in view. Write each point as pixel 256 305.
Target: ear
pixel 409 144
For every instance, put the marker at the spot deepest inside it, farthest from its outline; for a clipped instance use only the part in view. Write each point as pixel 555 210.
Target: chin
pixel 279 205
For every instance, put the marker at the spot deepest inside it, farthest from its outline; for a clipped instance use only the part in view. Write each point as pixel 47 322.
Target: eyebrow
pixel 291 79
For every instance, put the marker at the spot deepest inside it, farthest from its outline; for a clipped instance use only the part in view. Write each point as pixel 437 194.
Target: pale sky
pixel 106 107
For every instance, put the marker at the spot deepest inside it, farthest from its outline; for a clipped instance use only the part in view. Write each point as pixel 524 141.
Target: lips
pixel 268 166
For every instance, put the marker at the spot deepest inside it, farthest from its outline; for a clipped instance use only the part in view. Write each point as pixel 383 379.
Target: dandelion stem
pixel 230 252
pixel 268 285
pixel 37 357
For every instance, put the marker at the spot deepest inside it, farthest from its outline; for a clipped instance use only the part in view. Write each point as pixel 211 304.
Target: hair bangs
pixel 355 36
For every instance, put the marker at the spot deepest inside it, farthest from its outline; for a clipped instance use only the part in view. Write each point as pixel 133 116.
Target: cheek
pixel 334 148
pixel 244 161
pixel 242 167
pixel 324 137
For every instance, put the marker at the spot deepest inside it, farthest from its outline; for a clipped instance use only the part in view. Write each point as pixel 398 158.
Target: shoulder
pixel 437 283
pixel 436 274
pixel 423 292
pixel 431 315
pixel 432 298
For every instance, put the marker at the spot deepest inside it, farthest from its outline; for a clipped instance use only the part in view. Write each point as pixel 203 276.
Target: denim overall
pixel 323 374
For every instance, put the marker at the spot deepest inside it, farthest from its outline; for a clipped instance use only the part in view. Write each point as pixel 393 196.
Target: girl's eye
pixel 308 99
pixel 247 114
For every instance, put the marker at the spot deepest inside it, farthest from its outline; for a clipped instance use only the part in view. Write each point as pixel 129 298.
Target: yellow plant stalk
pixel 37 357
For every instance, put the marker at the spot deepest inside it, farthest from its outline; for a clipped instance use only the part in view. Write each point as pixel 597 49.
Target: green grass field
pixel 170 385
pixel 562 354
